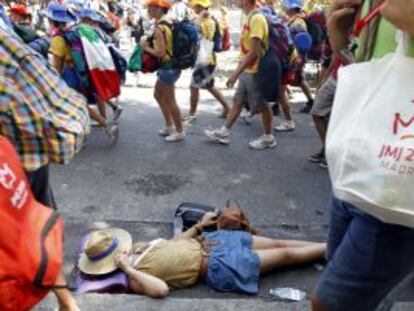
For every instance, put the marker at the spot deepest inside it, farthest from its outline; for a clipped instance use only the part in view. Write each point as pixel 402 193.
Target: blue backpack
pixel 218 38
pixel 186 40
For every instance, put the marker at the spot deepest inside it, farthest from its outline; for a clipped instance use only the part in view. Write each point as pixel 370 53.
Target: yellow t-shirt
pixel 176 262
pixel 60 48
pixel 255 26
pixel 168 37
pixel 297 24
pixel 208 28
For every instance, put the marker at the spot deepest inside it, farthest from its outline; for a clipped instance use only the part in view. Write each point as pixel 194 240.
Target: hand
pixel 122 261
pixel 400 13
pixel 232 81
pixel 340 21
pixel 209 218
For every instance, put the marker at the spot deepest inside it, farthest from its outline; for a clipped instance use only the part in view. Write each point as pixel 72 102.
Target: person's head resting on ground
pixel 293 7
pixel 60 16
pixel 200 5
pixel 158 8
pixel 101 249
pixel 90 17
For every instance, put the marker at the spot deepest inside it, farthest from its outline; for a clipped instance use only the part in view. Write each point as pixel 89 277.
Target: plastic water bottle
pixel 287 294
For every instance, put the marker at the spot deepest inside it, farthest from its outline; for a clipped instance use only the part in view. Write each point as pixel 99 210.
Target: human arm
pixel 140 282
pixel 340 21
pixel 58 50
pixel 209 218
pixel 400 13
pixel 159 50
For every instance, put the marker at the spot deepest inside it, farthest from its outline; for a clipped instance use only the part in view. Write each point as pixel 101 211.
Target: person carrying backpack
pixel 254 44
pixel 64 63
pixel 203 76
pixel 161 47
pixel 297 25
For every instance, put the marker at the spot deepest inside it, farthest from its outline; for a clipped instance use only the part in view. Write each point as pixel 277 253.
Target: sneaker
pixel 112 131
pixel 246 116
pixel 117 113
pixel 175 136
pixel 189 118
pixel 166 131
pixel 286 126
pixel 323 163
pixel 317 157
pixel 263 142
pixel 219 135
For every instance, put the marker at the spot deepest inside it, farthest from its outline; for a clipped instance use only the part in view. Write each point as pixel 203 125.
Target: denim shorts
pixel 233 266
pixel 168 75
pixel 367 258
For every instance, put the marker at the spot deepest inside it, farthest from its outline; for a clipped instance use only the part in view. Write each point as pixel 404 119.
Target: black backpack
pixel 186 40
pixel 218 38
pixel 316 24
pixel 187 215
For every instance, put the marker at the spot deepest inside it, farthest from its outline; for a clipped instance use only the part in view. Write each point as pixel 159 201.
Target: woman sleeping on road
pixel 225 260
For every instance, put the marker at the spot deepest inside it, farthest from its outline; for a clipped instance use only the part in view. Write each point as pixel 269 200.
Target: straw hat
pixel 203 3
pixel 101 248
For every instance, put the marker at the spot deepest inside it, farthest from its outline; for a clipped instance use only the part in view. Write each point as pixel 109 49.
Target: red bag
pixel 31 246
pixel 149 63
pixel 226 40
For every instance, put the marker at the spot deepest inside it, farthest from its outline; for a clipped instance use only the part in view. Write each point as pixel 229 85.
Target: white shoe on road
pixel 175 136
pixel 286 126
pixel 263 142
pixel 219 135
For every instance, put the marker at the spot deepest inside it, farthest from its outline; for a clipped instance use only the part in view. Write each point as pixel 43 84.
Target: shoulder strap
pixel 152 244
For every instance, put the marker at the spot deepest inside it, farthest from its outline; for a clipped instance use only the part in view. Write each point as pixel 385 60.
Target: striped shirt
pixel 45 119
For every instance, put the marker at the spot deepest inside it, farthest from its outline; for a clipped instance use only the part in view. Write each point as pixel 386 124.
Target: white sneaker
pixel 112 132
pixel 189 118
pixel 263 142
pixel 166 131
pixel 246 116
pixel 220 135
pixel 286 126
pixel 175 136
pixel 117 113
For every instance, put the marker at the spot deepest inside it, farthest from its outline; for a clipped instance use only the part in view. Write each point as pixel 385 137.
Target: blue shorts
pixel 233 266
pixel 168 75
pixel 367 258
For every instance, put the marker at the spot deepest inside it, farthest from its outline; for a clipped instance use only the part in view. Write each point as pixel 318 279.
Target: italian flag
pixel 101 66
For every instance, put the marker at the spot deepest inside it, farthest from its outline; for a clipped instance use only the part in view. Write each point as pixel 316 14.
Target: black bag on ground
pixel 188 214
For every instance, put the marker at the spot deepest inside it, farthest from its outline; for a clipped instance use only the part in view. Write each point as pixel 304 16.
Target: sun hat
pixel 203 3
pixel 100 250
pixel 20 9
pixel 164 4
pixel 293 4
pixel 60 13
pixel 91 14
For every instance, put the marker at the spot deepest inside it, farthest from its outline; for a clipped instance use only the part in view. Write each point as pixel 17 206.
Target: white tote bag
pixel 370 141
pixel 204 52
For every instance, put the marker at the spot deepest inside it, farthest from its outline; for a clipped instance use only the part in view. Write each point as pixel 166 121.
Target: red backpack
pixel 31 247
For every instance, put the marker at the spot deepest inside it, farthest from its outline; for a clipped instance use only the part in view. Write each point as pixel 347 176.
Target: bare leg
pixel 284 102
pixel 260 242
pixel 321 125
pixel 97 117
pixel 194 98
pixel 101 107
pixel 64 296
pixel 306 90
pixel 172 107
pixel 219 96
pixel 160 98
pixel 234 113
pixel 267 118
pixel 271 259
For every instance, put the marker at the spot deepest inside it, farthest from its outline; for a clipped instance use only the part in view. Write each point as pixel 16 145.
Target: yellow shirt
pixel 175 262
pixel 297 24
pixel 168 37
pixel 255 26
pixel 208 28
pixel 60 48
